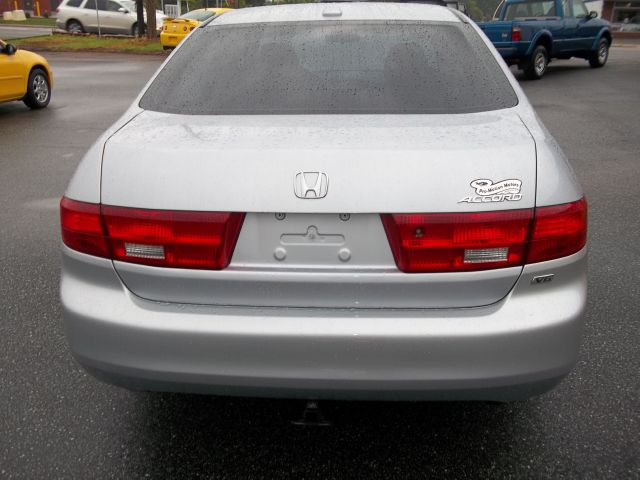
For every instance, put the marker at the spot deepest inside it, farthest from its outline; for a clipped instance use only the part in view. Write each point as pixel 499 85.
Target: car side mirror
pixel 123 10
pixel 9 49
pixel 592 14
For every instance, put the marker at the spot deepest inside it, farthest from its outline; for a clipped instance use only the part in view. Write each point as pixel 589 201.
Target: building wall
pixel 607 9
pixel 621 11
pixel 29 5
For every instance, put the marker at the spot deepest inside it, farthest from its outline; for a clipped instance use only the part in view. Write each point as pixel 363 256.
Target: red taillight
pixel 559 231
pixel 449 242
pixel 82 227
pixel 516 34
pixel 192 28
pixel 172 238
pixel 179 239
pixel 445 242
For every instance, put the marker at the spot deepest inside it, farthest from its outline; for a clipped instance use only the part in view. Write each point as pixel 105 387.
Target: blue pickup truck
pixel 529 33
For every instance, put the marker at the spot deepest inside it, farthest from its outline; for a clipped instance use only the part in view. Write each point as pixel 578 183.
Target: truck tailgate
pixel 498 32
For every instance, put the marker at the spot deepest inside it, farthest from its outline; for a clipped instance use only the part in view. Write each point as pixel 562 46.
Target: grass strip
pixel 41 22
pixel 89 43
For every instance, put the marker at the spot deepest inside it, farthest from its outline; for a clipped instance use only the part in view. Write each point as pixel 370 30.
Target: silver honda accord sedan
pixel 351 201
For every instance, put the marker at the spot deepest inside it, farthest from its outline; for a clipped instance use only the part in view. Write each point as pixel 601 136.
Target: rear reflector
pixel 450 242
pixel 178 239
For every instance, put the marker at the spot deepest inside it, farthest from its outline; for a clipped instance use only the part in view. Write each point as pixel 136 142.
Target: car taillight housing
pixel 82 228
pixel 450 242
pixel 558 231
pixel 516 34
pixel 164 238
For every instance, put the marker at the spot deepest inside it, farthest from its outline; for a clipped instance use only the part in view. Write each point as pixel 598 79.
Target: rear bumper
pixel 515 348
pixel 170 39
pixel 508 53
pixel 512 52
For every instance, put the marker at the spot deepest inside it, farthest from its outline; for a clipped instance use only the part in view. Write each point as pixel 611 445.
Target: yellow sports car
pixel 175 29
pixel 24 76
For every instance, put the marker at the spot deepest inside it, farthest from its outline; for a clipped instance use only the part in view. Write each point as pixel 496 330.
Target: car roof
pixel 306 12
pixel 216 9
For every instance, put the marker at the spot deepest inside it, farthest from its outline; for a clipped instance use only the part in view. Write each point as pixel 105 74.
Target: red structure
pixel 623 12
pixel 35 7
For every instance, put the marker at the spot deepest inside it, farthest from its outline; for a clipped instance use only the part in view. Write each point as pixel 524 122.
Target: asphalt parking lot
pixel 57 422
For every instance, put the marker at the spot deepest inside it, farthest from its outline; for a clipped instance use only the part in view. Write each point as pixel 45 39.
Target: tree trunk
pixel 140 15
pixel 150 6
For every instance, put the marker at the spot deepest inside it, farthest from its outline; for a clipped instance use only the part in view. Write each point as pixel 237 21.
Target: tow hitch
pixel 311 416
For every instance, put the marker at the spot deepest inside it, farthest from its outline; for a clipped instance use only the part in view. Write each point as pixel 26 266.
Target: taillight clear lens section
pixel 559 231
pixel 178 239
pixel 172 238
pixel 451 242
pixel 82 228
pixel 447 242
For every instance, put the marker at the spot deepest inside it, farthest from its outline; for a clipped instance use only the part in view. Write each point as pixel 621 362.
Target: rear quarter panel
pixel 556 182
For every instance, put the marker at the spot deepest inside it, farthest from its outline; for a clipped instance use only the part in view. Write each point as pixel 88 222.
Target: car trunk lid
pixel 320 252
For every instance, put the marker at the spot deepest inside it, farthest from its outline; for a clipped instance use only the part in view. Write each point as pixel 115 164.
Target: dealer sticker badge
pixel 487 191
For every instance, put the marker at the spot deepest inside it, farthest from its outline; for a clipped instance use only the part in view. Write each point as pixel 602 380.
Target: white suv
pixel 113 16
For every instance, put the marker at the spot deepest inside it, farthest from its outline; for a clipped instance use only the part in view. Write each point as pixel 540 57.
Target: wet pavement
pixel 58 422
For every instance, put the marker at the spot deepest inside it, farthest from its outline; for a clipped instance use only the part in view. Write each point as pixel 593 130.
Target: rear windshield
pixel 516 11
pixel 331 68
pixel 198 15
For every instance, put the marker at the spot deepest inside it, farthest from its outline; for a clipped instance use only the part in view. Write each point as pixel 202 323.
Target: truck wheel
pixel 598 58
pixel 536 67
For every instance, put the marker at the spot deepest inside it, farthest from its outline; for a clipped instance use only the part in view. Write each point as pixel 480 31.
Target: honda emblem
pixel 311 185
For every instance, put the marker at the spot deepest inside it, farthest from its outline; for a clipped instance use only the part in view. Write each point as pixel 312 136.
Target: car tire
pixel 38 89
pixel 536 67
pixel 134 30
pixel 599 58
pixel 73 26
